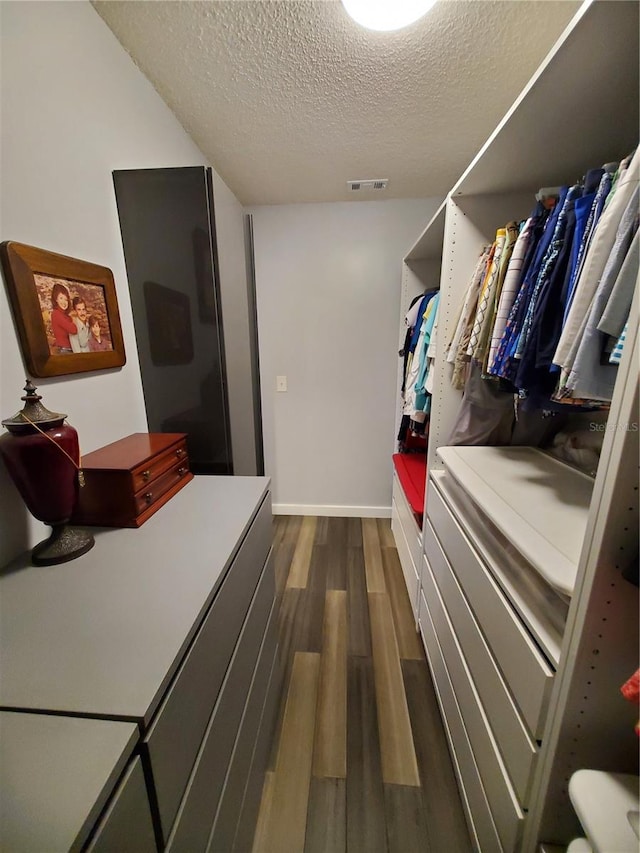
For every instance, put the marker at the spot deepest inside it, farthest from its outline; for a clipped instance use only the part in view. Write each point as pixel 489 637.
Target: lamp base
pixel 64 544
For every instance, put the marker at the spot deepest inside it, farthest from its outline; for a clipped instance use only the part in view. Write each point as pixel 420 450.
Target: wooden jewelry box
pixel 129 480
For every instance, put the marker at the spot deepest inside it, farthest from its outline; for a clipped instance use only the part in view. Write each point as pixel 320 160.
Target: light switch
pixel 281 383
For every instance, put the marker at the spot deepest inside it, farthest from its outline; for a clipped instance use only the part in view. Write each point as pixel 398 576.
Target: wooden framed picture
pixel 65 309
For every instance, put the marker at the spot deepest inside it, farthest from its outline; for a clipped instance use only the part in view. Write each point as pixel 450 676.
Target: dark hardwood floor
pixel 359 760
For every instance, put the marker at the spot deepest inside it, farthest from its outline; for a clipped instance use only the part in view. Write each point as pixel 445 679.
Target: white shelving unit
pixel 529 627
pixel 420 270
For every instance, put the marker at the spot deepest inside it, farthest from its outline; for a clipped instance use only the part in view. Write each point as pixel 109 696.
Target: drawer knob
pixel 148 497
pixel 182 471
pixel 146 475
pixel 180 452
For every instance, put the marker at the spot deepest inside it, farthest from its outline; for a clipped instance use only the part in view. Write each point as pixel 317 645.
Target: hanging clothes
pixel 595 260
pixel 550 269
pixel 589 209
pixel 511 230
pixel 411 319
pixel 423 397
pixel 510 288
pixel 589 377
pixel 616 355
pixel 480 331
pixel 431 354
pixel 510 326
pixel 409 407
pixel 502 265
pixel 458 346
pixel 551 304
pixel 505 365
pixel 616 312
pixel 547 268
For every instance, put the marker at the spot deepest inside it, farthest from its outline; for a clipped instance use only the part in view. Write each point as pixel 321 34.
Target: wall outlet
pixel 281 383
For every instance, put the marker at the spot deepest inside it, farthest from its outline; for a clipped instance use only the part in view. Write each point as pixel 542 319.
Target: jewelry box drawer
pixel 177 731
pixel 152 492
pixel 525 669
pixel 146 473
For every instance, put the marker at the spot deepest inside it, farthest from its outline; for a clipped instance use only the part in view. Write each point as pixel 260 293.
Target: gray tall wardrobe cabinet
pixel 516 574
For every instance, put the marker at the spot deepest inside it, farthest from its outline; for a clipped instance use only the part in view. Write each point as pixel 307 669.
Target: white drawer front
pixel 505 808
pixel 526 671
pixel 409 568
pixel 517 748
pixel 412 531
pixel 481 822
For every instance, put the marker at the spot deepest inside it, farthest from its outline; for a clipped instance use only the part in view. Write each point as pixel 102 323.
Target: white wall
pixel 328 280
pixel 74 107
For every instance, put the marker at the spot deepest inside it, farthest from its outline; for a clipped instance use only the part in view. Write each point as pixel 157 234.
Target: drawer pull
pixel 148 497
pixel 180 452
pixel 182 472
pixel 146 475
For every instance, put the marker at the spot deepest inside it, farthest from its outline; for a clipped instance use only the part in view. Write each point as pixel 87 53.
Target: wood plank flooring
pixel 359 761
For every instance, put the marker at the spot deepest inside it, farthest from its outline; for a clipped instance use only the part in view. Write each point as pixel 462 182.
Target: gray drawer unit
pixel 176 734
pixel 252 733
pixel 142 656
pixel 198 808
pixel 56 777
pixel 127 826
pixel 104 635
pixel 247 820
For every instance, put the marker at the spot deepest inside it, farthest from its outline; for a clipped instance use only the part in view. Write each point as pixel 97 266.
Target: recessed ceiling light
pixel 386 14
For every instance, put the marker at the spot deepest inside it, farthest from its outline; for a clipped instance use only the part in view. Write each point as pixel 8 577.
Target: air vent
pixel 374 184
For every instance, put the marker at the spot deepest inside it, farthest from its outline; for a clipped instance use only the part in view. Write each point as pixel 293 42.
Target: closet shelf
pixel 540 504
pixel 428 246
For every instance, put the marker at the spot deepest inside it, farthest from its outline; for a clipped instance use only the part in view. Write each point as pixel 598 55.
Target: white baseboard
pixel 333 511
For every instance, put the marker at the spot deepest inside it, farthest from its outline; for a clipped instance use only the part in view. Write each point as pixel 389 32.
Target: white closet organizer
pixel 529 626
pixel 420 270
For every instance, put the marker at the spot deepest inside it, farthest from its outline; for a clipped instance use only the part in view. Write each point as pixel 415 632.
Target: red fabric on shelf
pixel 411 469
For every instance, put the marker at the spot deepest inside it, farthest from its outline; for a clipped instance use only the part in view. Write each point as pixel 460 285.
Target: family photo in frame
pixel 66 311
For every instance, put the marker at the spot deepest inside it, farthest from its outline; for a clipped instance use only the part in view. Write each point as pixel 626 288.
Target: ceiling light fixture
pixel 386 14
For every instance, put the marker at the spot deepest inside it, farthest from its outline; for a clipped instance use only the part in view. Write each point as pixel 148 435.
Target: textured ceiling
pixel 289 99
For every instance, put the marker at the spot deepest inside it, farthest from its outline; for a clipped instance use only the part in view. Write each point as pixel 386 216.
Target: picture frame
pixel 65 311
